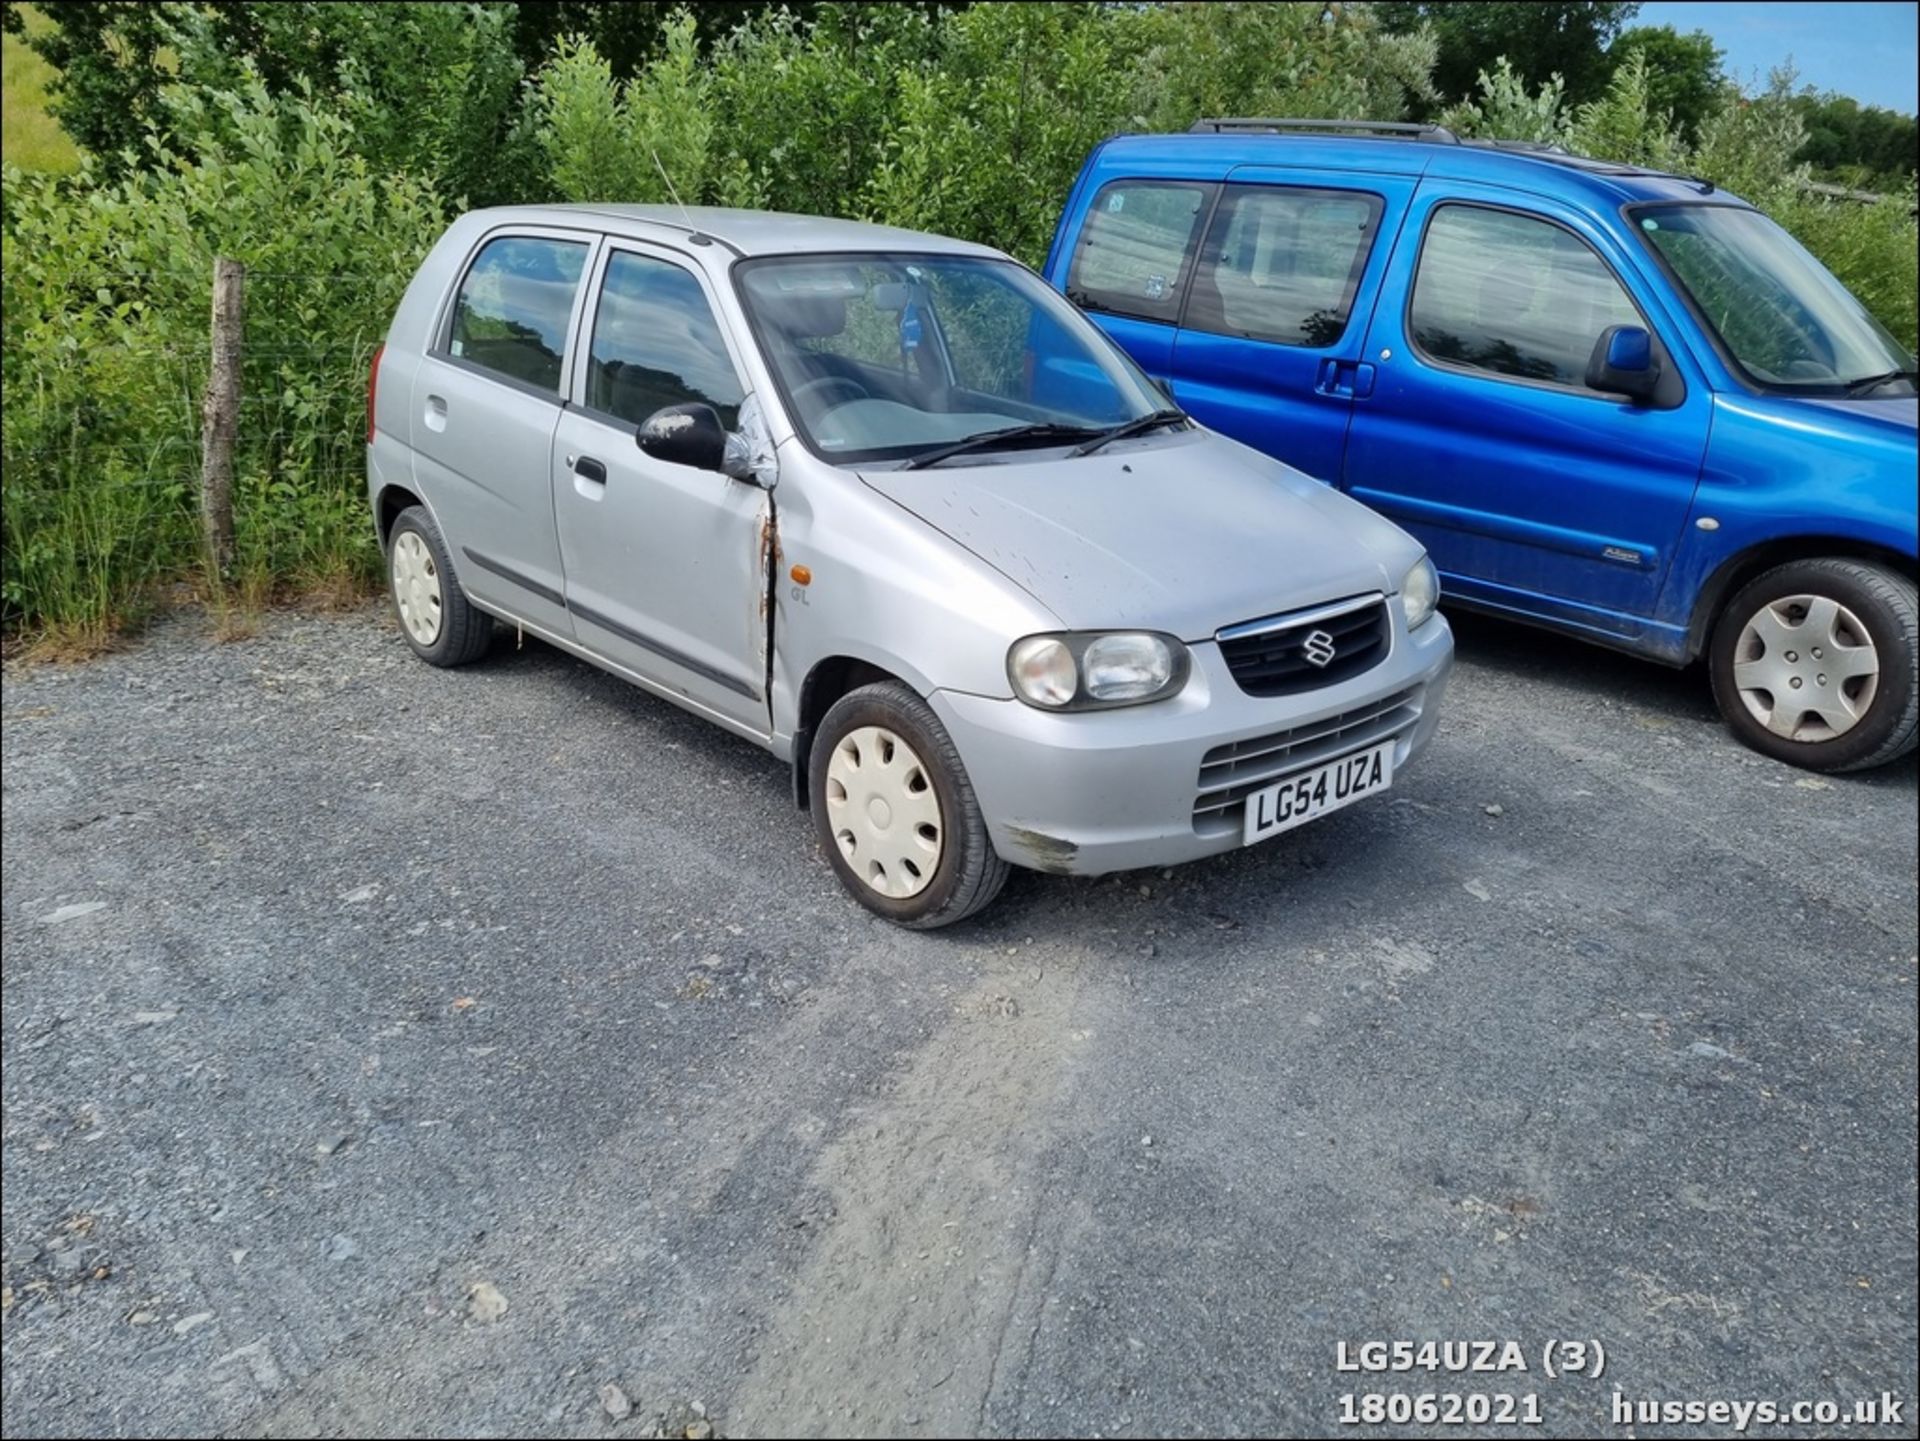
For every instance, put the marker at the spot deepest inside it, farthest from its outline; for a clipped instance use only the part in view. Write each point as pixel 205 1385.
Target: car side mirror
pixel 685 435
pixel 1622 363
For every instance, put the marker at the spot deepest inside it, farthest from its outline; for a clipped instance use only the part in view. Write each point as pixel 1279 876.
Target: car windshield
pixel 1778 312
pixel 885 357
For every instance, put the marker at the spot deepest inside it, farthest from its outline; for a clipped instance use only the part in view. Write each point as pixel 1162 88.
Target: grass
pixel 32 139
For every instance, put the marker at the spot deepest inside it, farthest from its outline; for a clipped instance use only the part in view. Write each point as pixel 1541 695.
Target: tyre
pixel 896 813
pixel 435 616
pixel 1813 663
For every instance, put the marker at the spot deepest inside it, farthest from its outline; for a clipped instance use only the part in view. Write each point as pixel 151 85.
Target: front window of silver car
pixel 1778 313
pixel 912 358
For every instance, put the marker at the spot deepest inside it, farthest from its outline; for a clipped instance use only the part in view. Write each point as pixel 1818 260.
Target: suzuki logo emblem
pixel 1319 649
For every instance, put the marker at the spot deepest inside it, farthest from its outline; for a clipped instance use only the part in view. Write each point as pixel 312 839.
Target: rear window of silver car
pixel 511 314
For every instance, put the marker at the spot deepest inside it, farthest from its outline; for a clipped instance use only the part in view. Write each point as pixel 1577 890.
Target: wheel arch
pixel 394 498
pixel 827 681
pixel 1738 569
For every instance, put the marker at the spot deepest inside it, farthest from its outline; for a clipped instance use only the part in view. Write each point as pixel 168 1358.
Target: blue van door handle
pixel 1345 379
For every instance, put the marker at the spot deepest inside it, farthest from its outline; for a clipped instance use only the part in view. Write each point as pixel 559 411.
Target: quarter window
pixel 512 311
pixel 656 343
pixel 1133 251
pixel 1512 295
pixel 1282 264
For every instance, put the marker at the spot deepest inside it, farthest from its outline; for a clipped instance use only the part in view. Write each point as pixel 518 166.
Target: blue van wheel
pixel 1813 663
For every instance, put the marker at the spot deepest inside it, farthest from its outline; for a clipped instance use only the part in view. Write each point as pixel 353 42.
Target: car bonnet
pixel 1183 533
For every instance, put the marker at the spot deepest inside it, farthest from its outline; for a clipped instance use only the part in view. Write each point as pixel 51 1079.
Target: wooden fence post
pixel 220 415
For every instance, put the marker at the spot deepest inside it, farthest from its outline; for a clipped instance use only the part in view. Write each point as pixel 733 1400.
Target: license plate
pixel 1312 793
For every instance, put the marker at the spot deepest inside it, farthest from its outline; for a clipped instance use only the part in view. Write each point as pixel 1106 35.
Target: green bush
pixel 991 129
pixel 641 141
pixel 804 113
pixel 107 289
pixel 972 123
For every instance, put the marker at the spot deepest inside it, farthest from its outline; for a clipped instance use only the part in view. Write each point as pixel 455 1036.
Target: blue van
pixel 1616 402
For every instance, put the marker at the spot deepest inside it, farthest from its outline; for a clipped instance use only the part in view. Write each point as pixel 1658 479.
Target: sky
pixel 1867 51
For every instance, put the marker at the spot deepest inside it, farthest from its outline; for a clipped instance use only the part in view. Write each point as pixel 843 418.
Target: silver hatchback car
pixel 887 505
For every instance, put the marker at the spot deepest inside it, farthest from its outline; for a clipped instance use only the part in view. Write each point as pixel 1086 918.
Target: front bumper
pixel 1090 792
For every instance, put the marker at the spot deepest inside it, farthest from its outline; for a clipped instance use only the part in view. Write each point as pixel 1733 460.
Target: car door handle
pixel 587 468
pixel 1344 379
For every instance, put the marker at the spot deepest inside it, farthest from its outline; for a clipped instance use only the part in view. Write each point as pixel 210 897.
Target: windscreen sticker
pixel 1156 287
pixel 1117 203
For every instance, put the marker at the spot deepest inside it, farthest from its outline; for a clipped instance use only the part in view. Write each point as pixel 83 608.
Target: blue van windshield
pixel 1779 313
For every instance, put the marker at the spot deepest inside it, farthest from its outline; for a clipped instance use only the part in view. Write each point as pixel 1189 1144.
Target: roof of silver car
pixel 751 232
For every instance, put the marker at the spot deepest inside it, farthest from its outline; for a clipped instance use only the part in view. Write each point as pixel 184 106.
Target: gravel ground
pixel 397 1051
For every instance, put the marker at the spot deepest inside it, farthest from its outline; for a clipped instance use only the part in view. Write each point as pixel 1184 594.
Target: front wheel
pixel 896 813
pixel 1813 663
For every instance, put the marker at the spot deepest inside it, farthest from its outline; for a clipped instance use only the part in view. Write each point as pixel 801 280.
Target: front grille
pixel 1277 656
pixel 1232 772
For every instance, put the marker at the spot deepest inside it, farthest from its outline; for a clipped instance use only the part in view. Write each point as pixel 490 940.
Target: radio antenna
pixel 670 190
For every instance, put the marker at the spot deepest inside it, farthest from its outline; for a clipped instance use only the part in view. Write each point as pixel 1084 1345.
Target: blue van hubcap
pixel 1806 668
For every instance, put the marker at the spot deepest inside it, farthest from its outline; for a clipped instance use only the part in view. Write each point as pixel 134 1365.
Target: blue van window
pixel 656 343
pixel 512 312
pixel 1282 264
pixel 1788 324
pixel 1136 246
pixel 1512 295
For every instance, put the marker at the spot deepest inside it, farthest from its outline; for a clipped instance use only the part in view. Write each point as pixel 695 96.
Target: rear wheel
pixel 1814 663
pixel 896 813
pixel 435 616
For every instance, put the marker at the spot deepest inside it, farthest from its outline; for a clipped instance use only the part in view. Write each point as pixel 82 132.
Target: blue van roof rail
pixel 1548 150
pixel 1402 129
pixel 1523 147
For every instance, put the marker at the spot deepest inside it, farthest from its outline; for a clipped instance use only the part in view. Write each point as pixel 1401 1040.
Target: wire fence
pixel 105 469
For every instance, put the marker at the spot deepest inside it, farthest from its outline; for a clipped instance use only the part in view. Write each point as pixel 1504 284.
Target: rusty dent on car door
pixel 769 542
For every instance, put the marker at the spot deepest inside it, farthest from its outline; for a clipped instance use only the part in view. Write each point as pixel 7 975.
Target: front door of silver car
pixel 665 563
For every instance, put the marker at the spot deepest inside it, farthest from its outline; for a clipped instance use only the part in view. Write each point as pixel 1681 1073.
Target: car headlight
pixel 1043 671
pixel 1420 594
pixel 1092 670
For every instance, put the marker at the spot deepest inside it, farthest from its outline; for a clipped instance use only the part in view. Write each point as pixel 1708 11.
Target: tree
pixel 1568 38
pixel 107 82
pixel 1854 143
pixel 435 89
pixel 626 36
pixel 1311 61
pixel 430 89
pixel 1683 73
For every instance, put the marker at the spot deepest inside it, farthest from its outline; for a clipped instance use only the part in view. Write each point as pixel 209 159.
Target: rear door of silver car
pixel 486 401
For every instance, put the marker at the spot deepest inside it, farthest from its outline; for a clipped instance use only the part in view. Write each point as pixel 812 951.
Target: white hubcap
pixel 885 815
pixel 1806 668
pixel 416 586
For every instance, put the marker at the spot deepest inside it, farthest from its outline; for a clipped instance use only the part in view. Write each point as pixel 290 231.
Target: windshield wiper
pixel 1868 383
pixel 986 439
pixel 1139 425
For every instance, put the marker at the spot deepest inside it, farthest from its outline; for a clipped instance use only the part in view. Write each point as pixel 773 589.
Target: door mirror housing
pixel 1623 363
pixel 689 435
